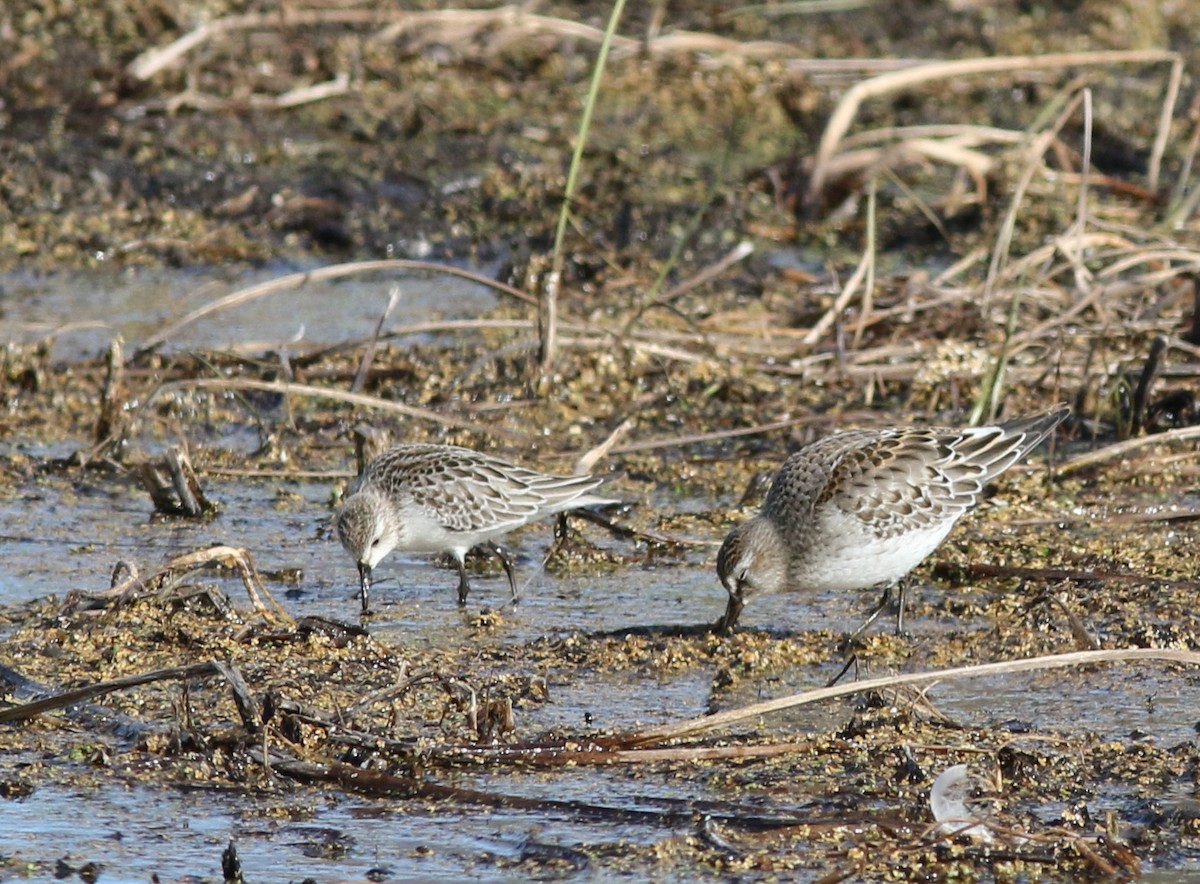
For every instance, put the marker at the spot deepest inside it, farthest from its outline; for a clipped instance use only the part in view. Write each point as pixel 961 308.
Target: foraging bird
pixel 442 498
pixel 865 507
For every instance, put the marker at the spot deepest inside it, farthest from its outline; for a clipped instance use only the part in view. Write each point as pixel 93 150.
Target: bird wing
pixel 902 479
pixel 465 490
pixel 897 480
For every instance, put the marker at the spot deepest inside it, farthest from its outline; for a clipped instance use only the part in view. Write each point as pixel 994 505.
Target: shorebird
pixel 442 498
pixel 863 508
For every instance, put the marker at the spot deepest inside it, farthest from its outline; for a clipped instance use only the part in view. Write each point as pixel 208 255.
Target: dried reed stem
pixel 894 81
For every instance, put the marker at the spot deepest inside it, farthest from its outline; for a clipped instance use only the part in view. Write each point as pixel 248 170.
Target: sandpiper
pixel 865 507
pixel 442 498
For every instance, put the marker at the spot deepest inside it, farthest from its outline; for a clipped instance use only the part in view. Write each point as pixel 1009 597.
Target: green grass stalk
pixel 548 327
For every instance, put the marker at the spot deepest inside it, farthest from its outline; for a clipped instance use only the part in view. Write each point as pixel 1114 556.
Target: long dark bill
pixel 733 610
pixel 364 583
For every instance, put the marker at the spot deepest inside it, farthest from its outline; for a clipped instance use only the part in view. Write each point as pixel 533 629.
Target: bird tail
pixel 998 447
pixel 1034 428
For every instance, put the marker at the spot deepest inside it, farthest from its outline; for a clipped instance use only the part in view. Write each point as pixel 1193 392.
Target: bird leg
pixel 733 610
pixel 902 593
pixel 364 583
pixel 851 660
pixel 503 556
pixel 464 587
pixel 884 601
pixel 901 587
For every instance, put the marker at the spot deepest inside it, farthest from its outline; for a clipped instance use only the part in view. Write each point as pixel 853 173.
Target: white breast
pixel 849 557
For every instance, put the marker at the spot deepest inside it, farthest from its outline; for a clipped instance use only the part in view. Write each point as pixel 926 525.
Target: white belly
pixel 850 558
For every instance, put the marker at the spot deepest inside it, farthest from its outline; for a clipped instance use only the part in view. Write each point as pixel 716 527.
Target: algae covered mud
pixel 238 246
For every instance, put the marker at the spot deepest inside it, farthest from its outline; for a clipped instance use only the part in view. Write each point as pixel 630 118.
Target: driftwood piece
pixel 174 486
pixel 248 708
pixel 166 577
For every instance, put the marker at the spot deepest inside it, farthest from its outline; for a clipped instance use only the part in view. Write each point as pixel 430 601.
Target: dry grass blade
pixel 884 84
pixel 159 58
pixel 590 458
pixel 707 723
pixel 843 299
pixel 1039 144
pixel 738 253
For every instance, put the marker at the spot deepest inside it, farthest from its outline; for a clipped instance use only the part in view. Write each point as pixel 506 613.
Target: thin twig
pixel 1120 449
pixel 337 271
pixel 364 367
pixel 359 399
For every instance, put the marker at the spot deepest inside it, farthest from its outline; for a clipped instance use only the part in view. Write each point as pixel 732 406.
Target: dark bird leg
pixel 733 610
pixel 902 593
pixel 503 556
pixel 851 660
pixel 364 584
pixel 901 588
pixel 464 587
pixel 884 601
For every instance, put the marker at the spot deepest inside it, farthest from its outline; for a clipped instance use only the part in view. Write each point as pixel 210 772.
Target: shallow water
pixel 135 832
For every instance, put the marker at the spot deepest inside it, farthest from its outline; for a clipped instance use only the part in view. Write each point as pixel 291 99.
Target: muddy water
pixel 135 832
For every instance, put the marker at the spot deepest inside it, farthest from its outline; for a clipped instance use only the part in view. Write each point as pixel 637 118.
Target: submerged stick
pixel 87 692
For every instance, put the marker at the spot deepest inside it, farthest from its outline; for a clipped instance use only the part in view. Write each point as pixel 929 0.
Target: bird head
pixel 753 559
pixel 367 529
